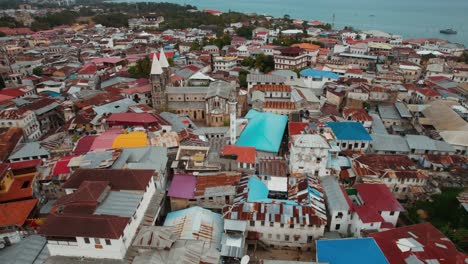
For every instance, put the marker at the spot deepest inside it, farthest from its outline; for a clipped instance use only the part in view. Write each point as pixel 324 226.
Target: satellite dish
pixel 245 259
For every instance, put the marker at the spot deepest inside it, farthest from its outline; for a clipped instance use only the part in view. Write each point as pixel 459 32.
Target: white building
pixel 365 207
pixel 308 155
pixel 100 214
pixel 270 206
pixel 224 63
pixel 26 120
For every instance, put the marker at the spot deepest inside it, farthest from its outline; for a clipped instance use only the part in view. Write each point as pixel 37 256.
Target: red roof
pixel 295 128
pixel 428 92
pixel 25 164
pixel 367 215
pixel 119 179
pixel 243 154
pixel 84 145
pixel 316 23
pixel 435 245
pixel 379 197
pixel 61 166
pixel 212 11
pixel 16 213
pixel 72 225
pixel 169 54
pixel 90 68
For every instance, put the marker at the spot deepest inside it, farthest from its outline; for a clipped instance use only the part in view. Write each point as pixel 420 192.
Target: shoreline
pixel 425 32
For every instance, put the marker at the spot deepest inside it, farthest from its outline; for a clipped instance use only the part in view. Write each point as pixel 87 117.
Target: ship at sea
pixel 448 31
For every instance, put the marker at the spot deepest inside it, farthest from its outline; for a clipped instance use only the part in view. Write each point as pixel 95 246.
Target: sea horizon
pixel 410 19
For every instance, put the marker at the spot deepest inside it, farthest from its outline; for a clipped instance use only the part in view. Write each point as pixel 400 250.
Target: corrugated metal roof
pixel 31 250
pixel 119 203
pixel 334 195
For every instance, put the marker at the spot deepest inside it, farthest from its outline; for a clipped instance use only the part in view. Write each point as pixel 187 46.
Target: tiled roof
pixel 272 88
pixel 279 105
pixel 16 213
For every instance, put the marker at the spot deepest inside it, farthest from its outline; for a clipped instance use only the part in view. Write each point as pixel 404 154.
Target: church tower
pixel 158 85
pixel 233 117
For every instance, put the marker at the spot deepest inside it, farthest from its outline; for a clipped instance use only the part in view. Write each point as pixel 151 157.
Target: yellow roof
pixel 380 45
pixel 130 140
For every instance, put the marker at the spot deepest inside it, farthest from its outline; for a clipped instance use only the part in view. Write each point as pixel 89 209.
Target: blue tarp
pixel 350 251
pixel 319 74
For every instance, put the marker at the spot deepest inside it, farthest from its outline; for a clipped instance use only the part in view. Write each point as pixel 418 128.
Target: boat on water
pixel 448 31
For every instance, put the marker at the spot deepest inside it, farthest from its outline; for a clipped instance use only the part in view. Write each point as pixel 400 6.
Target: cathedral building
pixel 208 104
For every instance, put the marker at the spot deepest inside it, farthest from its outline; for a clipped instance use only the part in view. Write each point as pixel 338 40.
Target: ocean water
pixel 409 18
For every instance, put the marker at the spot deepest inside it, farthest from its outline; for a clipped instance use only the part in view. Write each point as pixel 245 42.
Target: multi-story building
pixel 22 118
pixel 350 135
pixel 225 63
pixel 308 155
pixel 291 58
pixel 267 206
pixel 100 214
pixel 365 207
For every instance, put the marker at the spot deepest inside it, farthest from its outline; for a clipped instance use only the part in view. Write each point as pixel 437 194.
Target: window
pixel 278 236
pixel 252 223
pixel 337 227
pixel 291 226
pixel 286 237
pixel 86 240
pixel 272 224
pixel 296 238
pixel 97 241
pixel 108 242
pixel 281 225
pixel 339 215
pixel 262 223
pixel 363 145
pixel 392 213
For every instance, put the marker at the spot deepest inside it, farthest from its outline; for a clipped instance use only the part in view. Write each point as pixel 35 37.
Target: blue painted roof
pixel 350 251
pixel 349 131
pixel 319 74
pixel 264 131
pixel 258 192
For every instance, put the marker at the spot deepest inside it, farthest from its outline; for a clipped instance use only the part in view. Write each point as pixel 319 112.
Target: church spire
pixel 163 59
pixel 156 66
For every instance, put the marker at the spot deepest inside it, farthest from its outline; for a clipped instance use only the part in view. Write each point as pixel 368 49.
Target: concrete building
pixel 309 155
pixel 100 214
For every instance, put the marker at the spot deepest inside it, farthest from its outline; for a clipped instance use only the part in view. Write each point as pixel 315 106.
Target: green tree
pixel 37 71
pixel 195 46
pixel 142 68
pixel 245 32
pixel 171 62
pixel 112 20
pixel 243 78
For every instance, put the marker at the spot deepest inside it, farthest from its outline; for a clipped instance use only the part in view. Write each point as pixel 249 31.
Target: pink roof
pixel 106 139
pixel 140 89
pixel 212 11
pixel 182 186
pixel 5 97
pixel 379 197
pixel 316 22
pixel 84 144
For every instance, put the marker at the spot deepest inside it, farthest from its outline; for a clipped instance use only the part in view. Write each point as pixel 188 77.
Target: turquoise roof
pixel 264 131
pixel 319 74
pixel 349 131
